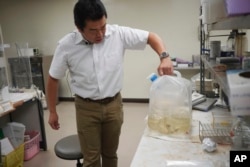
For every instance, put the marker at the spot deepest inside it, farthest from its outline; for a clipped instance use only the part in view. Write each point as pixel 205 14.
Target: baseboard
pixel 135 100
pixel 127 100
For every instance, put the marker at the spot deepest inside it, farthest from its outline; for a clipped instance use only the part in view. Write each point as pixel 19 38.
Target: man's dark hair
pixel 88 10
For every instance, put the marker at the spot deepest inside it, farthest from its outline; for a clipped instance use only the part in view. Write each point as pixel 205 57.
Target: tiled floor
pixel 132 130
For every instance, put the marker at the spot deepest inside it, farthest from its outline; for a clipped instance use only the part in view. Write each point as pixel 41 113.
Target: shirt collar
pixel 79 38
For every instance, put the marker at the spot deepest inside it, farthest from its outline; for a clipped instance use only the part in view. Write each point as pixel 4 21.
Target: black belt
pixel 101 101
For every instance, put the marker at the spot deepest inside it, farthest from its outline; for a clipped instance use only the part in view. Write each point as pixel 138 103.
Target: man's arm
pixel 156 43
pixel 52 90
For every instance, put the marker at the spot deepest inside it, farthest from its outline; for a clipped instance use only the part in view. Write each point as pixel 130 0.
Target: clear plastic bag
pixel 170 106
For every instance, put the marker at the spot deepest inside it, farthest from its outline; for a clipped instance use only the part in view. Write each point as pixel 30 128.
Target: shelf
pixel 187 68
pixel 220 76
pixel 236 22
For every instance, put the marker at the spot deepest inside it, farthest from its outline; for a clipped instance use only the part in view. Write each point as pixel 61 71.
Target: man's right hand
pixel 51 92
pixel 53 121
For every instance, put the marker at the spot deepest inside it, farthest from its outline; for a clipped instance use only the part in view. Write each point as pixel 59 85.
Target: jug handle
pixel 177 73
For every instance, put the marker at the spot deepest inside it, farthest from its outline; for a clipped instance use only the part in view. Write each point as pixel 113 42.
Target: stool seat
pixel 68 148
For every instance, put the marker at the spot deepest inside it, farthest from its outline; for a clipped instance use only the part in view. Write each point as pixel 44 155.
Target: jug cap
pixel 152 77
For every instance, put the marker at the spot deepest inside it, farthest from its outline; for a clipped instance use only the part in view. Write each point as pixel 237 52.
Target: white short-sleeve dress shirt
pixel 96 70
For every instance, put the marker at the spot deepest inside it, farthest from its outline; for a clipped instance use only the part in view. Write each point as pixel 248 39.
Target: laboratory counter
pixel 159 150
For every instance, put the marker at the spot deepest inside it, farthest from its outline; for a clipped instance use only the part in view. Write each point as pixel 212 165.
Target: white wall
pixel 175 22
pixel 43 23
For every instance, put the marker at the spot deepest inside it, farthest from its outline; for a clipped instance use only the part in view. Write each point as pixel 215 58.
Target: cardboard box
pixel 208 84
pixel 239 87
pixel 15 158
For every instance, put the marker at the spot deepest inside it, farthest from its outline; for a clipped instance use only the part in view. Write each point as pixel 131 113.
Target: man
pixel 94 57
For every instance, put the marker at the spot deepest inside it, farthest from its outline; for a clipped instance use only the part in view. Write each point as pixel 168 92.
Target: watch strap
pixel 164 55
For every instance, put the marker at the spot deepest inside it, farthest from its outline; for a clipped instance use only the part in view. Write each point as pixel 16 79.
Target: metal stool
pixel 68 148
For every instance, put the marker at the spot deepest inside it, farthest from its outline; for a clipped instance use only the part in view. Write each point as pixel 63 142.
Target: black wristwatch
pixel 164 55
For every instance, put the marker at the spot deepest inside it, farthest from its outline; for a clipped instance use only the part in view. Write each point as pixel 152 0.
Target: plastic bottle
pixel 236 133
pixel 231 42
pixel 246 62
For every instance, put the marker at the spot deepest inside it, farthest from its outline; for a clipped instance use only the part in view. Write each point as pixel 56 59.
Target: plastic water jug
pixel 170 105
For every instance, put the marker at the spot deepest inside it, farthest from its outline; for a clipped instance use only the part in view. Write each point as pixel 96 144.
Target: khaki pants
pixel 99 127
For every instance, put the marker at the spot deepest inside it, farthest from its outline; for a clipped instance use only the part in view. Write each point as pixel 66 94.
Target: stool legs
pixel 79 164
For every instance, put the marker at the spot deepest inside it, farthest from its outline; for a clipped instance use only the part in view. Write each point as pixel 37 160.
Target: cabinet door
pixel 20 72
pixel 37 72
pixel 3 70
